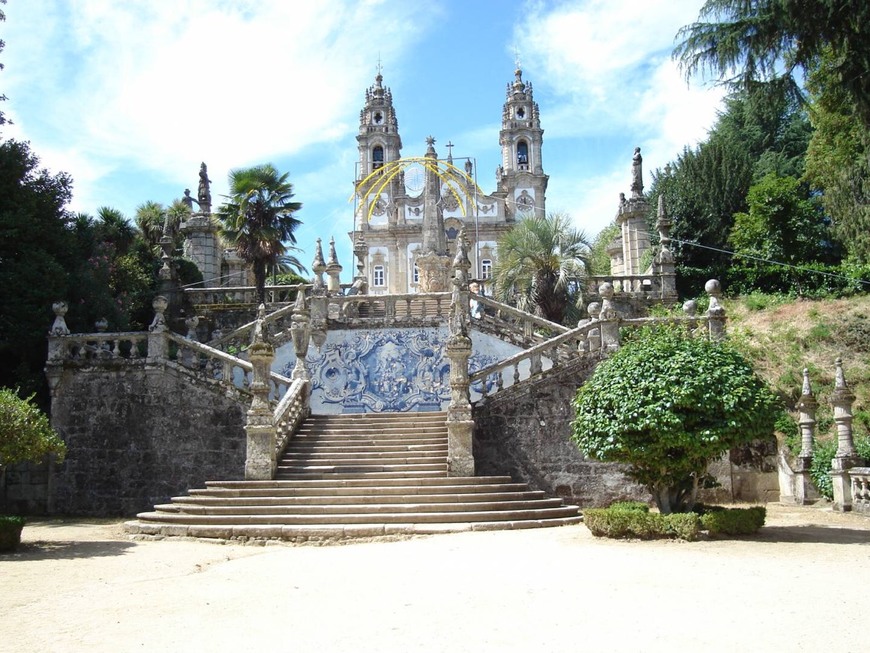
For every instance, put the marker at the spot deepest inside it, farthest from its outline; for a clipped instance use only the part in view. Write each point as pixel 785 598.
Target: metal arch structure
pixel 444 170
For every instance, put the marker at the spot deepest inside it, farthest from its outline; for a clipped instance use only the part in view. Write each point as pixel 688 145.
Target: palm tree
pixel 257 219
pixel 541 265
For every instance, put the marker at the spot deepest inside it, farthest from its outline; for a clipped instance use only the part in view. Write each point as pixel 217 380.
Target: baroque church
pixel 408 208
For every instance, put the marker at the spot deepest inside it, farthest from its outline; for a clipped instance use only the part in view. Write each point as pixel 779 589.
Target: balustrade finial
pixel 59 327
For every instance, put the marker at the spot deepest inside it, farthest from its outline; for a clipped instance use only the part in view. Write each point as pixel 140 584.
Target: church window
pixel 379 276
pixel 377 157
pixel 416 274
pixel 485 268
pixel 523 155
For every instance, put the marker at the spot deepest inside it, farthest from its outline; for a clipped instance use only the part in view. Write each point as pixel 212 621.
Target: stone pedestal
pixel 460 425
pixel 804 490
pixel 261 459
pixel 842 484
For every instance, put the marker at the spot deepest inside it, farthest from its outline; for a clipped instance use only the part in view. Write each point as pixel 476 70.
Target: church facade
pixel 408 208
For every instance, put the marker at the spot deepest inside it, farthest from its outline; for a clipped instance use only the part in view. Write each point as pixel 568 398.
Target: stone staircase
pixel 347 476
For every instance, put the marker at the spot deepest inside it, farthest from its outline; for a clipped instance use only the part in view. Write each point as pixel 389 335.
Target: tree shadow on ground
pixel 811 534
pixel 59 549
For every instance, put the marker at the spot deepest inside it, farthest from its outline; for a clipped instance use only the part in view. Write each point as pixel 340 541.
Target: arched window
pixel 377 157
pixel 523 155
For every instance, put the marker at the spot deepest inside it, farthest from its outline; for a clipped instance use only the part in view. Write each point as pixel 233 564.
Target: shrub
pixel 637 523
pixel 629 505
pixel 10 532
pixel 734 521
pixel 25 432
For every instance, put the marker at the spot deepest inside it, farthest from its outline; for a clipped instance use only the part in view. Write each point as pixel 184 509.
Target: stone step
pixel 307 533
pixel 344 509
pixel 345 446
pixel 358 475
pixel 409 433
pixel 382 517
pixel 396 481
pixel 363 458
pixel 353 499
pixel 358 466
pixel 381 488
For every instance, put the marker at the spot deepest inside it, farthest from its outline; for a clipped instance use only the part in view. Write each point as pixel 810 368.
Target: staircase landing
pixel 357 476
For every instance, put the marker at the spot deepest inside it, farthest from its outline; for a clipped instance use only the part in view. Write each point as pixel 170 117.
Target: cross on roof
pixel 449 147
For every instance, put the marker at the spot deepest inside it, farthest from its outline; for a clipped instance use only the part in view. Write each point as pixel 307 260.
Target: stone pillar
pixel 56 347
pixel 191 323
pixel 716 312
pixel 460 425
pixel 300 331
pixel 593 337
pixel 158 344
pixel 803 485
pixel 609 318
pixel 690 308
pixel 847 456
pixel 261 459
pixel 665 259
pixel 333 270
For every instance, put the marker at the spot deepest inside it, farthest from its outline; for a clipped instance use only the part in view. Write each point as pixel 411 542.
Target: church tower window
pixel 377 157
pixel 378 276
pixel 523 155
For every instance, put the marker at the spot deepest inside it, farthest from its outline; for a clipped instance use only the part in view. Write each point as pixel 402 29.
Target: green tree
pixel 38 252
pixel 258 220
pixel 766 42
pixel 599 259
pixel 838 160
pixel 706 186
pixel 667 404
pixel 783 224
pixel 541 265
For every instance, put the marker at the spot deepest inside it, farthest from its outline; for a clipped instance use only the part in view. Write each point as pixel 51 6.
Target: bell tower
pixel 379 144
pixel 520 177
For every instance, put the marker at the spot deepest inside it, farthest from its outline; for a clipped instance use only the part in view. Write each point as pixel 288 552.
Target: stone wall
pixel 524 431
pixel 138 435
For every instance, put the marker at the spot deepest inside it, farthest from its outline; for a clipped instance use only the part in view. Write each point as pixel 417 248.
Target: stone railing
pixel 290 412
pixel 388 309
pixel 519 327
pixel 647 284
pixel 597 335
pixel 860 489
pixel 241 295
pixel 532 361
pixel 89 347
pixel 239 339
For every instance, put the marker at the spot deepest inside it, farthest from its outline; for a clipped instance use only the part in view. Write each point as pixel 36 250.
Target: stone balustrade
pixel 90 347
pixel 290 412
pixel 530 362
pixel 642 284
pixel 389 309
pixel 226 296
pixel 860 489
pixel 508 320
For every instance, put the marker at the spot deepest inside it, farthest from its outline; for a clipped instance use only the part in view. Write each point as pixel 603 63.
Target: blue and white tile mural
pixel 360 371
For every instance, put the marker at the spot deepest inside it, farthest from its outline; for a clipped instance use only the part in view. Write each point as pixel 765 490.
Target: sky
pixel 130 97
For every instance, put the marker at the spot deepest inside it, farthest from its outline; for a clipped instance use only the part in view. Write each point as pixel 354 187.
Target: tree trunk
pixel 260 281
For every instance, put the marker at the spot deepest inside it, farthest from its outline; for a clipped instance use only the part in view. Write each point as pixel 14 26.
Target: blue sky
pixel 129 97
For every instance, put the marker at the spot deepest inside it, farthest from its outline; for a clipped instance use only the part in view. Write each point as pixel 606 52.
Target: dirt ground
pixel 800 585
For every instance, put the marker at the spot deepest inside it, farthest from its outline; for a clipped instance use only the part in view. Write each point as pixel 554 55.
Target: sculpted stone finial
pixel 204 190
pixel 59 327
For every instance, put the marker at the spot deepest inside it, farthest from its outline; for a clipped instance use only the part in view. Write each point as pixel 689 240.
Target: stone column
pixel 460 425
pixel 716 312
pixel 847 456
pixel 803 485
pixel 593 336
pixel 609 318
pixel 158 344
pixel 261 459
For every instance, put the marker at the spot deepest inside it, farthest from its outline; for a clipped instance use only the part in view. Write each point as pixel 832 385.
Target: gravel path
pixel 800 585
